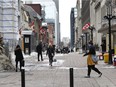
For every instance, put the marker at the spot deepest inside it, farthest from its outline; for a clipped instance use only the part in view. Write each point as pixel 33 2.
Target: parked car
pixel 58 50
pixel 65 50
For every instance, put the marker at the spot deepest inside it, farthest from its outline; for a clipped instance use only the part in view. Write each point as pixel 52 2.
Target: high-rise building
pixel 72 28
pixel 65 41
pixel 57 28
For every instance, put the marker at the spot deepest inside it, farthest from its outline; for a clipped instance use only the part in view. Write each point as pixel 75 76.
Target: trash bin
pixel 106 57
pixel 114 63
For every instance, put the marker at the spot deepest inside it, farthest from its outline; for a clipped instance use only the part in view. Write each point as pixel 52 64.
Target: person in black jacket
pixel 39 51
pixel 50 53
pixel 19 57
pixel 103 46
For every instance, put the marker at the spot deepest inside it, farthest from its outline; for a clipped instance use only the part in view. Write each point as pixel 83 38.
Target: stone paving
pixel 40 74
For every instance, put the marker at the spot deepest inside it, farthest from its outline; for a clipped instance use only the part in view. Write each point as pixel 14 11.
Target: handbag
pixel 95 58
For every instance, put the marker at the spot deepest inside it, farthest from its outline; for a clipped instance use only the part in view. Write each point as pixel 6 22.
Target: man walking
pixel 19 56
pixel 103 46
pixel 39 51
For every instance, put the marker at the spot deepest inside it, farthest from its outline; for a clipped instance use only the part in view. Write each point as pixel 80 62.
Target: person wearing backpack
pixel 90 63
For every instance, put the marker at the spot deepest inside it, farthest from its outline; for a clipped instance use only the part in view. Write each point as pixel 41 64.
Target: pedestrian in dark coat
pixel 103 46
pixel 39 51
pixel 19 57
pixel 90 62
pixel 50 53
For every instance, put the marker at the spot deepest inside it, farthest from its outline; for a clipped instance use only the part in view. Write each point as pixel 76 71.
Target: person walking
pixel 103 46
pixel 39 51
pixel 19 57
pixel 50 53
pixel 90 63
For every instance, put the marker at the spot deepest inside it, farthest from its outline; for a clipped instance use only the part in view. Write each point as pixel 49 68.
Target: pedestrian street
pixel 40 74
pixel 63 61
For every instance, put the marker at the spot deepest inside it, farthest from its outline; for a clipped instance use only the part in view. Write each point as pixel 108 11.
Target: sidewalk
pixel 40 74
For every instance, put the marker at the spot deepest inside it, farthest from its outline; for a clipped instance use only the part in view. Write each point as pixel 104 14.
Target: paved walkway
pixel 40 74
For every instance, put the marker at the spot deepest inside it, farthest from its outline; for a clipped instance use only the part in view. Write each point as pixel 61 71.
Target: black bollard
pixel 22 75
pixel 71 78
pixel 22 63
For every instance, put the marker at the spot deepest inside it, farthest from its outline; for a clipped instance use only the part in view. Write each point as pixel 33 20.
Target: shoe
pixel 38 60
pixel 41 59
pixel 100 74
pixel 50 64
pixel 87 76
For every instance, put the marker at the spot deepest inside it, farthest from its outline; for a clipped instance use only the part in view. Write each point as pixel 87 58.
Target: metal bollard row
pixel 23 74
pixel 71 78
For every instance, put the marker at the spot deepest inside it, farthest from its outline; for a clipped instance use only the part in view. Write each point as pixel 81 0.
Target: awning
pixel 106 29
pixel 27 32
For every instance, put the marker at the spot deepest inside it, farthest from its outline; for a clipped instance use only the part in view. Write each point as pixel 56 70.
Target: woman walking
pixel 19 57
pixel 50 53
pixel 90 63
pixel 39 51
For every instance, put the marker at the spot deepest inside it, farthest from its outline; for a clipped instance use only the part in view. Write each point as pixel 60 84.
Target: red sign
pixel 86 26
pixel 42 31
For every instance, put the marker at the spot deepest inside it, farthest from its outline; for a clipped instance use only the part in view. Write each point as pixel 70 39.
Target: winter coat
pixel 89 60
pixel 18 54
pixel 39 48
pixel 103 47
pixel 50 51
pixel 90 53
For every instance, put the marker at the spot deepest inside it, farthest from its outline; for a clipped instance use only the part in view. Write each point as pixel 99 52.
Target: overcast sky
pixel 65 9
pixel 64 13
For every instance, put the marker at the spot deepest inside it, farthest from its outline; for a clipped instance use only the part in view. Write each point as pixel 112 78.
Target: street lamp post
pixel 91 29
pixel 79 42
pixel 109 17
pixel 86 42
pixel 82 35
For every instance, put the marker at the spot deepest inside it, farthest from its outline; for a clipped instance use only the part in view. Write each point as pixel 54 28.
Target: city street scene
pixel 57 43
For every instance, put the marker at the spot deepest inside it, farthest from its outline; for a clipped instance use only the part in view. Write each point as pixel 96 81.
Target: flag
pixel 42 31
pixel 86 26
pixel 31 24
